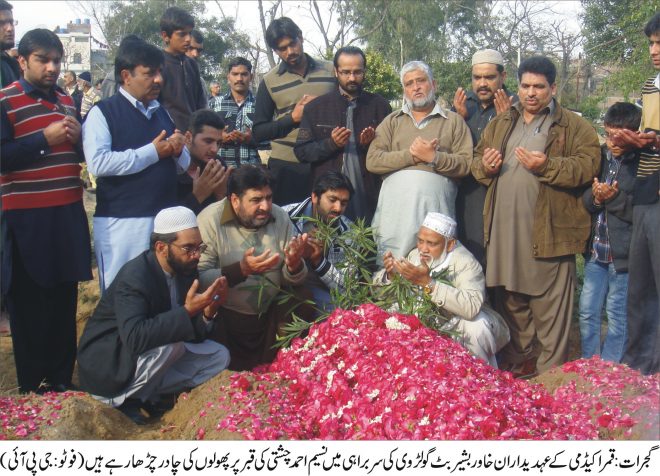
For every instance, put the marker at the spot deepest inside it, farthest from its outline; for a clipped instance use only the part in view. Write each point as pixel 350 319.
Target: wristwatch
pixel 428 289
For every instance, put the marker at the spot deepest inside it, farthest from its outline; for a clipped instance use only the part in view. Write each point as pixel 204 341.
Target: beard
pixel 180 268
pixel 423 103
pixel 432 262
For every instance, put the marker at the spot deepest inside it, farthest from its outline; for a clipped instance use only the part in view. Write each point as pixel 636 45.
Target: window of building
pixel 77 58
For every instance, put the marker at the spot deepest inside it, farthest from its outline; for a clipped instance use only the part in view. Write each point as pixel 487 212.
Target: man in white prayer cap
pixel 147 335
pixel 478 328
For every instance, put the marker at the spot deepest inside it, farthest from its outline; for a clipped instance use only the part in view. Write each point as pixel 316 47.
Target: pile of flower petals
pixel 631 398
pixel 368 374
pixel 22 416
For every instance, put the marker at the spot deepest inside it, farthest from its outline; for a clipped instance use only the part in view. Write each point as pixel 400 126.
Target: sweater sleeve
pixel 380 158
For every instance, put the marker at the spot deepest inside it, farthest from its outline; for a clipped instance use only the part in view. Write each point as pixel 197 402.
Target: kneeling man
pixel 480 329
pixel 146 336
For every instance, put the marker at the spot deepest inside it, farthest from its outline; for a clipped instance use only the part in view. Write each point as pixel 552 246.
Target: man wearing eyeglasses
pixel 10 71
pixel 337 129
pixel 281 98
pixel 147 335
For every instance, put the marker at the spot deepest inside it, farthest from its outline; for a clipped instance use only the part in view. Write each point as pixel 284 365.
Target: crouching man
pixel 146 336
pixel 480 329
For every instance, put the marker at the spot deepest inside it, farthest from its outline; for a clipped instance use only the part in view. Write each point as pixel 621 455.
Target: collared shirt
pixel 241 118
pixel 102 161
pixel 436 111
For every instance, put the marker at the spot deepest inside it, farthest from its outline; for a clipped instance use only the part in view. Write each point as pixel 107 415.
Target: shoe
pixel 132 409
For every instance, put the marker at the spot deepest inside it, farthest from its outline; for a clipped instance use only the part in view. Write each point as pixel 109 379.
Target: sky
pixel 49 14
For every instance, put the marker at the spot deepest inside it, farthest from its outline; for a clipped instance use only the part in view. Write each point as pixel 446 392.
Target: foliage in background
pixel 382 78
pixel 614 32
pixel 142 18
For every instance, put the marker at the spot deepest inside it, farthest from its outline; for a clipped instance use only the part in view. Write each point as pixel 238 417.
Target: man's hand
pixel 491 161
pixel 419 275
pixel 237 137
pixel 367 135
pixel 423 150
pixel 532 160
pixel 340 136
pixel 177 140
pixel 460 99
pixel 637 139
pixel 502 101
pixel 251 264
pixel 603 192
pixel 388 263
pixel 57 132
pixel 195 302
pixel 163 147
pixel 213 180
pixel 221 288
pixel 293 253
pixel 314 251
pixel 297 112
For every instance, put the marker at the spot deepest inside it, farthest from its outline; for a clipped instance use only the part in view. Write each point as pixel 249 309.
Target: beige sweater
pixel 389 151
pixel 227 241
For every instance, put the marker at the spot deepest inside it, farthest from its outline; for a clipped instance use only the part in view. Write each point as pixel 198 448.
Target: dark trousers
pixel 250 338
pixel 643 345
pixel 292 181
pixel 43 329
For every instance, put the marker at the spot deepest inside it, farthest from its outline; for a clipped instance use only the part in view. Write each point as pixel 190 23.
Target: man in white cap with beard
pixel 480 329
pixel 146 337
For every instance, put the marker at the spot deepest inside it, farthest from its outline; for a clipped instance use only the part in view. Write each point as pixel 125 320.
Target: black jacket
pixel 619 210
pixel 133 316
pixel 181 93
pixel 10 71
pixel 320 116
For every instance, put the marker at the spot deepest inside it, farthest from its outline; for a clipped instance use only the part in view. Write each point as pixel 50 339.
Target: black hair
pixel 500 68
pixel 349 50
pixel 204 117
pixel 39 38
pixel 332 181
pixel 197 36
pixel 653 26
pixel 239 61
pixel 538 65
pixel 623 115
pixel 134 51
pixel 98 81
pixel 4 5
pixel 280 28
pixel 247 177
pixel 175 18
pixel 73 73
pixel 164 237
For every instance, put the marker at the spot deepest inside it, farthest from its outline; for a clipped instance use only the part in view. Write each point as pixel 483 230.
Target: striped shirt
pixel 54 179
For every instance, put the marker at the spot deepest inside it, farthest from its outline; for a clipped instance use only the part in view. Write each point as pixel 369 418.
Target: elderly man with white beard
pixel 478 328
pixel 419 151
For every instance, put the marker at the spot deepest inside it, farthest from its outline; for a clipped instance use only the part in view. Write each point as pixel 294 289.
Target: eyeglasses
pixel 192 251
pixel 4 23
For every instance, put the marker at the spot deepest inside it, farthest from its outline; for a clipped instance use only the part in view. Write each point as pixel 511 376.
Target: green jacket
pixel 561 223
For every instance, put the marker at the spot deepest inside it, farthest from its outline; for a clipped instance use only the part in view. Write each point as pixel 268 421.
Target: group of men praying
pixel 202 196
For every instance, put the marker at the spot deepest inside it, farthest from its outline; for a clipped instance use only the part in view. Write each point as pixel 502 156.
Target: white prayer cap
pixel 440 223
pixel 171 220
pixel 487 56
